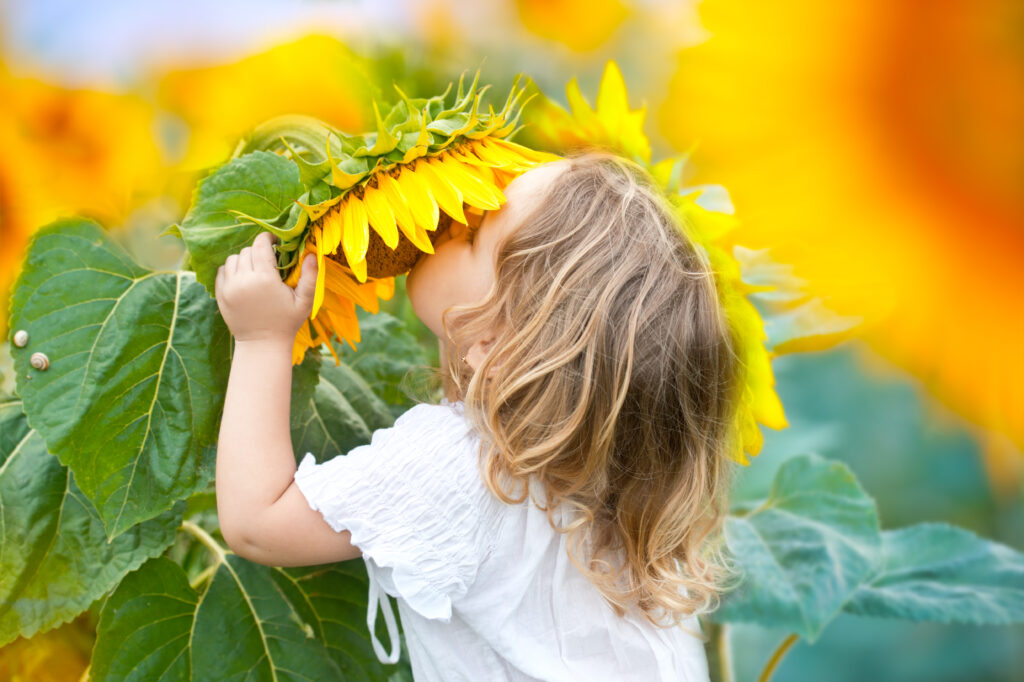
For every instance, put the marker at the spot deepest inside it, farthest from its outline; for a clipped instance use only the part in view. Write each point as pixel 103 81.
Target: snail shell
pixel 20 338
pixel 39 361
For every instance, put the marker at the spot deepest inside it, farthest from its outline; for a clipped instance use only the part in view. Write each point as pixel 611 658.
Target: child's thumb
pixel 306 288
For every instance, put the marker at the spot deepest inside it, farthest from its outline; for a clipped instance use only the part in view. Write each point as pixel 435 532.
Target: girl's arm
pixel 263 515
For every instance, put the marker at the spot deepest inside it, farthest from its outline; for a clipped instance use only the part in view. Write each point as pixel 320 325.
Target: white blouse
pixel 486 591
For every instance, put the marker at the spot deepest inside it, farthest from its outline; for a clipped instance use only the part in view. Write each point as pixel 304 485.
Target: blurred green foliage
pixel 920 463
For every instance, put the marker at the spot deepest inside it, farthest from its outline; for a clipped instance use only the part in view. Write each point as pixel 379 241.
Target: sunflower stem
pixel 719 652
pixel 207 540
pixel 776 658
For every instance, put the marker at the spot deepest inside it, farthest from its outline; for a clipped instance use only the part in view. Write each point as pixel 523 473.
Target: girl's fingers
pixel 245 259
pixel 263 257
pixel 231 264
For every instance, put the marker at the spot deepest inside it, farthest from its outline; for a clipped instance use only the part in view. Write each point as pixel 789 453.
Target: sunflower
pixel 374 202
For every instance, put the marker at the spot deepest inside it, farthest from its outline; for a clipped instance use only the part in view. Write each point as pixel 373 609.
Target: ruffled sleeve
pixel 414 504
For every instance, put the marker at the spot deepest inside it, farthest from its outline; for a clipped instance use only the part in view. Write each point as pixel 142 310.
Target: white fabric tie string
pixel 379 597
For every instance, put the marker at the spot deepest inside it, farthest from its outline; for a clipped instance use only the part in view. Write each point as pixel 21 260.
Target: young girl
pixel 557 516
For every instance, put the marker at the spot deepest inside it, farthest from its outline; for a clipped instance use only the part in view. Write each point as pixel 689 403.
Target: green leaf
pixel 332 600
pixel 138 365
pixel 252 623
pixel 938 572
pixel 6 372
pixel 386 354
pixel 54 558
pixel 805 550
pixel 342 413
pixel 262 185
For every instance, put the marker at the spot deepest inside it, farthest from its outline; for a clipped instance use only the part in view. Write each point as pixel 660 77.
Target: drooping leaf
pixel 341 414
pixel 803 551
pixel 938 572
pixel 253 622
pixel 138 364
pixel 261 185
pixel 54 557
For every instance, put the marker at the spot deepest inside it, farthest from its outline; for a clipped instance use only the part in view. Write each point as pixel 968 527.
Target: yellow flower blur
pixel 880 150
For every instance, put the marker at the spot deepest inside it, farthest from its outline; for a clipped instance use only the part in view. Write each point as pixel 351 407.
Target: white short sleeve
pixel 414 503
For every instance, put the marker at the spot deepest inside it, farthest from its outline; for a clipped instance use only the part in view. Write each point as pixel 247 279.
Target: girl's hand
pixel 256 304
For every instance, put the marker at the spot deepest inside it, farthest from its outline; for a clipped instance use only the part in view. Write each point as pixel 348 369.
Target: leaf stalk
pixel 776 658
pixel 207 540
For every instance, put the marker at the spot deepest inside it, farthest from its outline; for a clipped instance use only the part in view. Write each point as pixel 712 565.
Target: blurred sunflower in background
pixel 879 148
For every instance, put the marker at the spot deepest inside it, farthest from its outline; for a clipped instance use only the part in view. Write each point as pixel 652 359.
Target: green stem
pixel 207 540
pixel 204 575
pixel 719 653
pixel 773 662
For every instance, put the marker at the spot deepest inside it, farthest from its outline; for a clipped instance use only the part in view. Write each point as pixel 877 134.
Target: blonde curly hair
pixel 613 378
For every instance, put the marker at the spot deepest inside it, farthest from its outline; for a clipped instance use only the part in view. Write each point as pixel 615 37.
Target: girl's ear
pixel 478 352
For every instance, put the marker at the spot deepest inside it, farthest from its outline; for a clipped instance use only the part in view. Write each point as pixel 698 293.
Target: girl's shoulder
pixel 444 422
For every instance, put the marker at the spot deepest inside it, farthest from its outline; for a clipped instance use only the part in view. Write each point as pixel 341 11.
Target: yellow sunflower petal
pixel 302 342
pixel 332 230
pixel 403 215
pixel 447 195
pixel 342 315
pixel 359 270
pixel 503 178
pixel 486 173
pixel 465 155
pixel 532 156
pixel 339 281
pixel 385 288
pixel 381 217
pixel 499 157
pixel 355 236
pixel 321 276
pixel 421 239
pixel 474 191
pixel 507 158
pixel 325 337
pixel 421 203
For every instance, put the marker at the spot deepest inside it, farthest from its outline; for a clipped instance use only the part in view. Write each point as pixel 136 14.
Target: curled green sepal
pixel 383 140
pixel 348 172
pixel 291 230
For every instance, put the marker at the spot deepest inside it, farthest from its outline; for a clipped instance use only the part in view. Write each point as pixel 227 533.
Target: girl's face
pixel 461 269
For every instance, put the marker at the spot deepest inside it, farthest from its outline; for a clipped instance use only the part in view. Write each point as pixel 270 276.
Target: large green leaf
pixel 341 413
pixel 138 364
pixel 54 558
pixel 252 623
pixel 386 354
pixel 934 571
pixel 261 185
pixel 803 551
